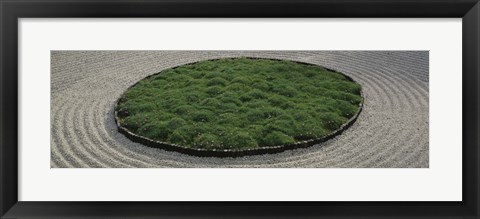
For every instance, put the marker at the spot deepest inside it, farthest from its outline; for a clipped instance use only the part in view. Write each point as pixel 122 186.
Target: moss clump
pixel 277 138
pixel 239 103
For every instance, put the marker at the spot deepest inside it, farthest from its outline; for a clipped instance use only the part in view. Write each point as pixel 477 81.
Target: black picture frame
pixel 12 10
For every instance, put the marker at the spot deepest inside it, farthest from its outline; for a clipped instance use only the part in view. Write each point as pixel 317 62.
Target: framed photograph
pixel 252 109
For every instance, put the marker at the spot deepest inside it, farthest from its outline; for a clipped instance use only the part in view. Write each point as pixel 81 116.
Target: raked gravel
pixel 391 131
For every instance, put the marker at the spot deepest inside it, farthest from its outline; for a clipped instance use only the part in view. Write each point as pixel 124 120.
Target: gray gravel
pixel 391 131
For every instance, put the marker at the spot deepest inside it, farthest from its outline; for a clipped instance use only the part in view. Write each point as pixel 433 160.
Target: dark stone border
pixel 236 153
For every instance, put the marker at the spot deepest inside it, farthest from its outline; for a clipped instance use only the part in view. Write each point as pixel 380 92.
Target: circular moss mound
pixel 239 104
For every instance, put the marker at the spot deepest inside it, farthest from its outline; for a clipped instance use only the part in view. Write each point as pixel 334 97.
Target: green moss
pixel 175 123
pixel 155 130
pixel 208 141
pixel 178 137
pixel 239 103
pixel 235 138
pixel 214 91
pixel 217 81
pixel 277 138
pixel 202 116
pixel 183 110
pixel 254 94
pixel 280 101
pixel 332 121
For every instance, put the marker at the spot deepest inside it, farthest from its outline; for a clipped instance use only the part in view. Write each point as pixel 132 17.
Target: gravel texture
pixel 391 131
